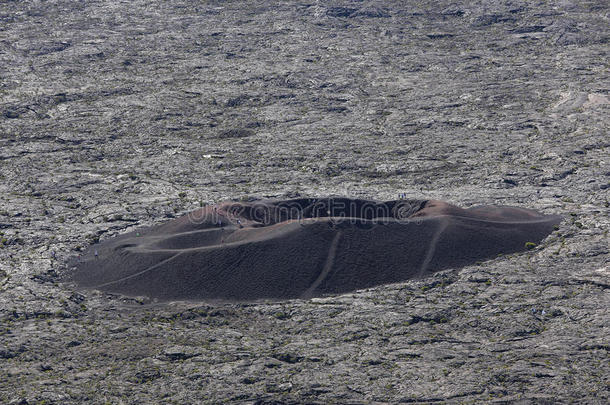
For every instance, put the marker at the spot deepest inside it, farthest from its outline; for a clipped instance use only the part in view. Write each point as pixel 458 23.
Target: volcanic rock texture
pixel 116 116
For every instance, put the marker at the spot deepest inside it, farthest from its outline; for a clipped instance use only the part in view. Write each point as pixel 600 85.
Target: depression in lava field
pixel 302 248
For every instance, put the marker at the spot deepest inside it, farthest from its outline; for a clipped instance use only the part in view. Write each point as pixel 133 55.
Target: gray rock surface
pixel 116 115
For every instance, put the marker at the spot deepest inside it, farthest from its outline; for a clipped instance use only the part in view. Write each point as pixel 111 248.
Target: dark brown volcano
pixel 304 247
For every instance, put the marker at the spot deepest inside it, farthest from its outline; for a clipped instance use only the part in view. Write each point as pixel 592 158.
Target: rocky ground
pixel 115 115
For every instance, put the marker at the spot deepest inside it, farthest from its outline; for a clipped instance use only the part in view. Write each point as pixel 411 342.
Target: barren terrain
pixel 121 114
